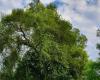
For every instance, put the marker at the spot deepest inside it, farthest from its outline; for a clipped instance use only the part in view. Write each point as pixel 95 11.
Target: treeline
pixel 36 44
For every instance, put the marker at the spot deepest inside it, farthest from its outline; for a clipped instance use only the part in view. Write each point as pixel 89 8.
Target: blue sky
pixel 83 14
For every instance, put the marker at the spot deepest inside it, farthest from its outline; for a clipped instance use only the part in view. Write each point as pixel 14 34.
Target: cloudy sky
pixel 83 14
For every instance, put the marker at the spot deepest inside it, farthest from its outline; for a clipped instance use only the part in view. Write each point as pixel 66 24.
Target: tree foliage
pixel 92 71
pixel 36 44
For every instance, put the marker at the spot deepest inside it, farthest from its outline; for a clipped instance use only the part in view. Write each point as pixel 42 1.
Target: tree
pixel 33 3
pixel 92 71
pixel 38 45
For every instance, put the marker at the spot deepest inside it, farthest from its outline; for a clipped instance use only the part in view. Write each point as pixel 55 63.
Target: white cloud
pixel 47 1
pixel 8 5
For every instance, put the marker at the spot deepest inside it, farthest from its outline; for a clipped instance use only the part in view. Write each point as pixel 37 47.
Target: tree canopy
pixel 36 44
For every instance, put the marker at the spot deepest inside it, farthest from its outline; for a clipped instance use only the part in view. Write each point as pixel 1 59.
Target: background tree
pixel 92 70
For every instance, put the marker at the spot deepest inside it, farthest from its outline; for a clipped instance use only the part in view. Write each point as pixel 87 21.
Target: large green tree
pixel 36 44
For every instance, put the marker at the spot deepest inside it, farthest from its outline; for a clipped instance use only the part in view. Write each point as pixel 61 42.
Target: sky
pixel 83 14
